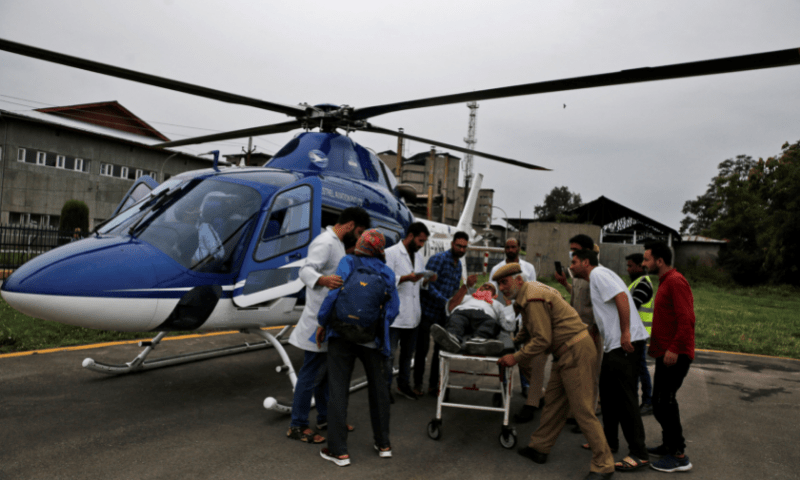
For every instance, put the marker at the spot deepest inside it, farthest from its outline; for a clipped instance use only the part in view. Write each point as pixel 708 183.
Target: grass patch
pixel 21 333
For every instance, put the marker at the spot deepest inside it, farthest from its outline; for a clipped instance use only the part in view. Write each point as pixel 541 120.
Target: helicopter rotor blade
pixel 384 131
pixel 247 132
pixel 145 78
pixel 779 58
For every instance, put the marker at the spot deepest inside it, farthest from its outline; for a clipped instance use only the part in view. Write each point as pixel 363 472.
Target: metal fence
pixel 20 243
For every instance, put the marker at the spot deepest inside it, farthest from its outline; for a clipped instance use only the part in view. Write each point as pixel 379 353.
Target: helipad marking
pixel 122 342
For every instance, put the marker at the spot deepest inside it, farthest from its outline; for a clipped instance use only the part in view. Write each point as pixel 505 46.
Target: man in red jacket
pixel 672 345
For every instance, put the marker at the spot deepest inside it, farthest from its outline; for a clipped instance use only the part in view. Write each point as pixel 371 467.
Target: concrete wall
pixel 29 188
pixel 548 242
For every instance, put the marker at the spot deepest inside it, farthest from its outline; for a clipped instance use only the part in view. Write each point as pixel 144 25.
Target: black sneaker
pixel 407 392
pixel 670 463
pixel 646 409
pixel 483 346
pixel 391 398
pixel 446 340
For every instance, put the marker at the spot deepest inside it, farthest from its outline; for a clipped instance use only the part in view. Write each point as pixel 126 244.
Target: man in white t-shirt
pixel 407 263
pixel 624 337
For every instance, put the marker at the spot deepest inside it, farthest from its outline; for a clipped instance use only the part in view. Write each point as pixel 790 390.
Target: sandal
pixel 305 435
pixel 629 464
pixel 341 460
pixel 586 446
pixel 324 426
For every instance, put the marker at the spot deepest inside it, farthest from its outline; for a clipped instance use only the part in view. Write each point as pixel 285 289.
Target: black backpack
pixel 359 308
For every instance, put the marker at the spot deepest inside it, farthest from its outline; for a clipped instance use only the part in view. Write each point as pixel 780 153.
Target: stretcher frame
pixel 508 434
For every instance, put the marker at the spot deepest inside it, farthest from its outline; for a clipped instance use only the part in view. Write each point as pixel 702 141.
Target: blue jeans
pixel 406 340
pixel 311 379
pixel 644 377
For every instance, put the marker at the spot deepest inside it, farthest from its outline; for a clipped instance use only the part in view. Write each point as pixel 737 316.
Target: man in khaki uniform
pixel 550 325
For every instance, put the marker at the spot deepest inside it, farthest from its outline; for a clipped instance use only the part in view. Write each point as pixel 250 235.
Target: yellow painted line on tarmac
pixel 746 354
pixel 123 342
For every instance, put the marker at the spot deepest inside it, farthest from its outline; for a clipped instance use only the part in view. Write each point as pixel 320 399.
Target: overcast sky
pixel 649 146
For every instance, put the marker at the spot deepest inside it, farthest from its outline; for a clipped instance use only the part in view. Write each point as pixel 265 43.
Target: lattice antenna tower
pixel 471 141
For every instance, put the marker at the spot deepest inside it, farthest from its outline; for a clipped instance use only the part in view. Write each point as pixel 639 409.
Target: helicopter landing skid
pixel 140 364
pixel 270 403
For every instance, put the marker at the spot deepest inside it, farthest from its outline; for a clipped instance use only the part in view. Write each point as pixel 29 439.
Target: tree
pixel 559 200
pixel 779 182
pixel 74 214
pixel 755 206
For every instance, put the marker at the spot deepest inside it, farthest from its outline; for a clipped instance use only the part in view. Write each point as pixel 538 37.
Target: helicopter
pixel 150 268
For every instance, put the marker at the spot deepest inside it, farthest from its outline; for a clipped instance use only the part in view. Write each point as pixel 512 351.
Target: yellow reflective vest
pixel 645 309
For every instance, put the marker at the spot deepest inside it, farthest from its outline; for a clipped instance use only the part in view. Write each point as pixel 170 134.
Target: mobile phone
pixel 558 268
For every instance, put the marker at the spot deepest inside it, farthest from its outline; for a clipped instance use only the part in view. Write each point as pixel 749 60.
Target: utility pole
pixel 249 150
pixel 430 184
pixel 399 163
pixel 471 141
pixel 444 190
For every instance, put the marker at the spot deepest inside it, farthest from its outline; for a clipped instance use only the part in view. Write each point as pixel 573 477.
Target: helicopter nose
pixel 94 283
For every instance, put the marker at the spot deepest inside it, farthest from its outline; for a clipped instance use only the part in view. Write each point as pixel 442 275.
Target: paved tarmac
pixel 741 416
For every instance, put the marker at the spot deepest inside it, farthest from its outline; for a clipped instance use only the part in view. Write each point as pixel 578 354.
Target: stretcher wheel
pixel 508 438
pixel 435 429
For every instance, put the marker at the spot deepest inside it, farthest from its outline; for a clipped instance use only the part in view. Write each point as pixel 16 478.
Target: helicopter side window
pixel 288 225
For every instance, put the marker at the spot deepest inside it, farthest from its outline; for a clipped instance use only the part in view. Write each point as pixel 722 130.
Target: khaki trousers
pixel 572 387
pixel 534 372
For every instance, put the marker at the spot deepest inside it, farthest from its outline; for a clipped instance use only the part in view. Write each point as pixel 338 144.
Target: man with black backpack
pixel 355 320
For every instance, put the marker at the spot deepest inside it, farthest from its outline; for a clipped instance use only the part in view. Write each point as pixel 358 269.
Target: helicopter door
pixel 281 246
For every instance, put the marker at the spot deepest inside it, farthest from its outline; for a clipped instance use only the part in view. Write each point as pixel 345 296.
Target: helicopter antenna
pixel 471 141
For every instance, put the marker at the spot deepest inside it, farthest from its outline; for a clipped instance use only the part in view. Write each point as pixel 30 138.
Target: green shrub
pixel 74 214
pixel 695 272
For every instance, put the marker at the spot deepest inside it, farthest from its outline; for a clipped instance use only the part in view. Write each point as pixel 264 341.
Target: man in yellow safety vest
pixel 642 292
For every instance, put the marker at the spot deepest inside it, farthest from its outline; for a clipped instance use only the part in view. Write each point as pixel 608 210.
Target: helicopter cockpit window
pixel 126 218
pixel 204 229
pixel 288 225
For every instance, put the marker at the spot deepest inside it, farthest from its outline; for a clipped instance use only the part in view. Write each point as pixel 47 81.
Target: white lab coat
pixel 324 255
pixel 398 259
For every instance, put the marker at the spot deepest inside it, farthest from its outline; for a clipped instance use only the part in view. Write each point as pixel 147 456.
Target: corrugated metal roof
pixel 700 239
pixel 94 129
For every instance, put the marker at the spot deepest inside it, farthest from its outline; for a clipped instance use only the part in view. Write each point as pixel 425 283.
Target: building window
pixel 124 172
pixel 60 161
pixel 20 154
pixel 79 164
pixel 139 173
pixel 106 169
pixel 154 175
pixel 41 158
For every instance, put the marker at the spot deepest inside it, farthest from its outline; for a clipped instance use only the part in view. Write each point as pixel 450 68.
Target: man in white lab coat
pixel 319 276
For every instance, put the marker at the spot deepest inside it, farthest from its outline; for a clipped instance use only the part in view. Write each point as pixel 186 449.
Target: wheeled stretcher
pixel 508 435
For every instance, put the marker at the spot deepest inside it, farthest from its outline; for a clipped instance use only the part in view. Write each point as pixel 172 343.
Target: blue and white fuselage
pixel 211 250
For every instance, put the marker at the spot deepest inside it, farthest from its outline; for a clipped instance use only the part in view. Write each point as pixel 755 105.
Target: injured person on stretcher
pixel 477 324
